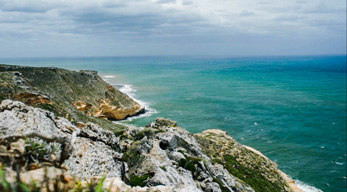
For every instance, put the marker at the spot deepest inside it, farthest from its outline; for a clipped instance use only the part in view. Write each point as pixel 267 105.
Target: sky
pixel 63 28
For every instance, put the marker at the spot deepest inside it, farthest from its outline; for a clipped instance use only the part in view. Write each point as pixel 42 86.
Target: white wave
pixel 339 163
pixel 109 76
pixel 306 188
pixel 130 91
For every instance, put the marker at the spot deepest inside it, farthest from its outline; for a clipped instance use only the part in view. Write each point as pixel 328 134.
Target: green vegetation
pixel 166 122
pixel 145 132
pixel 163 168
pixel 2 98
pixel 186 164
pixel 251 172
pixel 39 150
pixel 221 185
pixel 4 185
pixel 139 180
pixel 94 186
pixel 49 185
pixel 118 133
pixel 190 163
pixel 34 148
pixel 253 177
pixel 133 156
pixel 140 135
pixel 48 107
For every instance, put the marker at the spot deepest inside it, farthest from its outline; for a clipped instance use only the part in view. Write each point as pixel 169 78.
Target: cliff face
pixel 41 146
pixel 244 162
pixel 67 93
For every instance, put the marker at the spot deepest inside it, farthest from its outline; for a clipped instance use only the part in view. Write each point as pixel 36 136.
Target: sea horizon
pixel 173 56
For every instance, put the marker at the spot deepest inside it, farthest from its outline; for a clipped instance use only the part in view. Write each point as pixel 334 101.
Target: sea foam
pixel 130 91
pixel 109 76
pixel 306 188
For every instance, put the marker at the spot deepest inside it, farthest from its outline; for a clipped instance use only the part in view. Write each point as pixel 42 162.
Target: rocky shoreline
pixel 65 143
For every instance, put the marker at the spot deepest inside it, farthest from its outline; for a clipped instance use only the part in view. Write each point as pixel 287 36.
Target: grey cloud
pixel 187 2
pixel 301 1
pixel 323 8
pixel 112 4
pixel 119 20
pixel 132 26
pixel 165 1
pixel 35 6
pixel 292 18
pixel 246 13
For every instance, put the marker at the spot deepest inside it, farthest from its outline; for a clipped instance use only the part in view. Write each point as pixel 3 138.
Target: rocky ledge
pixel 55 136
pixel 158 157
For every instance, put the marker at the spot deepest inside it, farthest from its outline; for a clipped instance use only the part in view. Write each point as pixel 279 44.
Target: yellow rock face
pixel 112 112
pixel 106 110
pixel 33 99
pixel 82 106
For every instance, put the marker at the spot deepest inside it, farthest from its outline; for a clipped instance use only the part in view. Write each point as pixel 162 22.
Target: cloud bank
pixel 171 27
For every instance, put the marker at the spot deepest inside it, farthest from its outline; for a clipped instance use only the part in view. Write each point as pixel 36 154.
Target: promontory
pixel 58 133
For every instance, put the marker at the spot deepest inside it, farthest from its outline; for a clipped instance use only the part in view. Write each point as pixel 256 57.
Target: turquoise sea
pixel 292 109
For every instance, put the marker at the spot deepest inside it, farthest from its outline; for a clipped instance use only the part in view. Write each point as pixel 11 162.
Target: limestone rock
pixel 243 162
pixel 94 149
pixel 158 157
pixel 176 159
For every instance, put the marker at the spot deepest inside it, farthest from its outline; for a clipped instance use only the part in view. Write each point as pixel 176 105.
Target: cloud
pixel 246 13
pixel 292 18
pixel 323 8
pixel 32 6
pixel 140 23
pixel 165 1
pixel 187 2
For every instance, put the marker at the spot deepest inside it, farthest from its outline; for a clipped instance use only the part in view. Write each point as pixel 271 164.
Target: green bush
pixel 139 180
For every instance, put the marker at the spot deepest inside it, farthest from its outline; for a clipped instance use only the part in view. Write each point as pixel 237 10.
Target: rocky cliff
pixel 67 93
pixel 43 150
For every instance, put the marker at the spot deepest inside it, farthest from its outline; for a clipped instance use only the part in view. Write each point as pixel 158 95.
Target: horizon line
pixel 168 56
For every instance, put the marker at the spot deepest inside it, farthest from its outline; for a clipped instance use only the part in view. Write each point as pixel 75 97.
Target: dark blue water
pixel 292 109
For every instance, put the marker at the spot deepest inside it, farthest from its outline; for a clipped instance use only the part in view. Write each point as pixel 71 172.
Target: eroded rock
pixel 159 157
pixel 243 162
pixel 94 150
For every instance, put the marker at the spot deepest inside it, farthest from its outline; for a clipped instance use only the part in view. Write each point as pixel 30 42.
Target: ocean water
pixel 292 109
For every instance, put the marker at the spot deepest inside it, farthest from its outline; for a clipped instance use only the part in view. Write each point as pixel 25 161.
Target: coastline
pixel 127 89
pixel 130 91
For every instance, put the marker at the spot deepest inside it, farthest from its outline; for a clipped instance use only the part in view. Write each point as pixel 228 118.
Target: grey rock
pixel 213 187
pixel 93 151
pixel 178 160
pixel 94 159
pixel 168 153
pixel 176 156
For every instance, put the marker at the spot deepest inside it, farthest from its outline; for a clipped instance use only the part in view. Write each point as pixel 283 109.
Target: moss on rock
pixel 139 180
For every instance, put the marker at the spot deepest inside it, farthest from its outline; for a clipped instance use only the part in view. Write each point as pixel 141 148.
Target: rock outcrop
pixel 159 157
pixel 66 92
pixel 95 150
pixel 166 154
pixel 244 162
